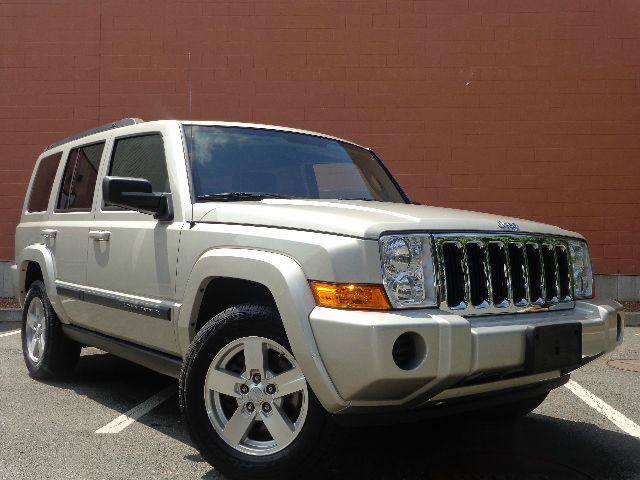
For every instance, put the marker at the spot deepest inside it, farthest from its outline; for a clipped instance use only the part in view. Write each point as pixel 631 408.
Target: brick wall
pixel 522 107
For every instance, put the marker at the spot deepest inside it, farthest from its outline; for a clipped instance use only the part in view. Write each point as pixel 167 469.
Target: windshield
pixel 241 160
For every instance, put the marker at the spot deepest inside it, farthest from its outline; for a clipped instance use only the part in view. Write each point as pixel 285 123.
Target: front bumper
pixel 461 355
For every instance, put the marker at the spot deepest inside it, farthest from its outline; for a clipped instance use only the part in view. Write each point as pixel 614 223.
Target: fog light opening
pixel 409 351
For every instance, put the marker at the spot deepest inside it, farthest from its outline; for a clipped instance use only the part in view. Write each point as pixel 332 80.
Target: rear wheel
pixel 48 354
pixel 245 400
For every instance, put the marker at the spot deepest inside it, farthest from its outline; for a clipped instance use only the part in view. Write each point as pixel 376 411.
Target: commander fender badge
pixel 508 226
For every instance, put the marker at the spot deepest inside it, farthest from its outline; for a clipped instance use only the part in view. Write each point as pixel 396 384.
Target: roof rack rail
pixel 102 128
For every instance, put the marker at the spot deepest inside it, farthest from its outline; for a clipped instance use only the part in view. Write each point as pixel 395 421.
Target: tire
pixel 48 354
pixel 515 410
pixel 233 430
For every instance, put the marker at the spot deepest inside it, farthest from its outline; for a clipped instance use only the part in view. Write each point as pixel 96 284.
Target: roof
pixel 125 122
pixel 102 128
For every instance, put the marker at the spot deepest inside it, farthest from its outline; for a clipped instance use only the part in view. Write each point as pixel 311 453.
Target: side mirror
pixel 137 194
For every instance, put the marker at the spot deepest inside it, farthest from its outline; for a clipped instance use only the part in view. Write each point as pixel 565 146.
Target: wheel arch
pixel 287 285
pixel 33 273
pixel 37 261
pixel 219 293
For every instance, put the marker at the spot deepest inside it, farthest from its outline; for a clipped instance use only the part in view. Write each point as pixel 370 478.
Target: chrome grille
pixel 488 274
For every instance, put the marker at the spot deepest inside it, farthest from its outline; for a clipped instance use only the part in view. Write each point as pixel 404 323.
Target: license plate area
pixel 553 347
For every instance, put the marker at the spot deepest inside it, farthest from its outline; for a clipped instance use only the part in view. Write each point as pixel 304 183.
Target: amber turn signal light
pixel 350 295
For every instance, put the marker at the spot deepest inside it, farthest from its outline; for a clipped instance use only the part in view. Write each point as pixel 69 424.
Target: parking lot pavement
pixel 48 430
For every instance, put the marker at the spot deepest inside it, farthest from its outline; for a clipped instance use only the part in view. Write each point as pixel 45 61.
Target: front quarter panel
pixel 288 285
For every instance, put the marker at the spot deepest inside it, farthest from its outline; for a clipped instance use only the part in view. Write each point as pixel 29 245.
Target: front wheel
pixel 245 400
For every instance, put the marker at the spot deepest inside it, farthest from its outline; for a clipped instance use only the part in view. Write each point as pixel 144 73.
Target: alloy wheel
pixel 36 326
pixel 256 396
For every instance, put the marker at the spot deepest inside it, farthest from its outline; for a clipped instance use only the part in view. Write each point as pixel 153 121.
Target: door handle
pixel 99 235
pixel 49 233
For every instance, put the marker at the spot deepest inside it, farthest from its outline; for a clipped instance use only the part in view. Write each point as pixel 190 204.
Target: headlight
pixel 407 270
pixel 582 273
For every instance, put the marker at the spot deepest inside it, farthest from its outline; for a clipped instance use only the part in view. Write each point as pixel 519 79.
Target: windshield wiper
pixel 364 199
pixel 238 196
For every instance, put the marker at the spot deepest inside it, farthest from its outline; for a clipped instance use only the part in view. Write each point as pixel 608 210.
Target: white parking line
pixel 6 334
pixel 623 423
pixel 127 418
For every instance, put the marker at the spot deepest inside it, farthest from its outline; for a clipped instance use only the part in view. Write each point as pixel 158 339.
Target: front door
pixel 132 257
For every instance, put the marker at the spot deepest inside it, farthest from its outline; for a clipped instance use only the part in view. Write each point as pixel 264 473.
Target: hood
pixel 358 218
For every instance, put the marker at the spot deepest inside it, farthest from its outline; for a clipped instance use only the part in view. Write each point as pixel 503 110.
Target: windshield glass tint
pixel 238 159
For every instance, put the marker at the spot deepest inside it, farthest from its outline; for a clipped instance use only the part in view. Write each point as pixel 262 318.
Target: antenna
pixel 189 82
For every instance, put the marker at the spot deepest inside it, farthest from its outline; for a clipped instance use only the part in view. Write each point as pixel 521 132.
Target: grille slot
pixel 503 273
pixel 564 274
pixel 478 278
pixel 499 279
pixel 454 271
pixel 550 272
pixel 518 269
pixel 536 283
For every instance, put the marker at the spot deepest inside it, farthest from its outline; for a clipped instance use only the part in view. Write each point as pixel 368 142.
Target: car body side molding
pixel 157 311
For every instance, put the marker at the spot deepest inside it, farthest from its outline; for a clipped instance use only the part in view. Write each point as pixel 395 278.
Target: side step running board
pixel 152 359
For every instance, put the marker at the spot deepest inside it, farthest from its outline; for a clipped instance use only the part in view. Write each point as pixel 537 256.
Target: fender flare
pixel 289 287
pixel 41 255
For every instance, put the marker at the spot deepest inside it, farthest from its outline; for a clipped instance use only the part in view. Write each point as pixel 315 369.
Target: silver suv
pixel 288 282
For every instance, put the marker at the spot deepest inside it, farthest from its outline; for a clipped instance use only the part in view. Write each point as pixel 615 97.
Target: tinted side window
pixel 141 157
pixel 79 180
pixel 41 189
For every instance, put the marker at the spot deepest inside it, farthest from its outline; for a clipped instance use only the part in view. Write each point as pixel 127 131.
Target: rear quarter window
pixel 43 183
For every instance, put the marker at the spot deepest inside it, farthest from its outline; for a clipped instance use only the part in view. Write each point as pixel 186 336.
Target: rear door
pixel 69 223
pixel 34 226
pixel 132 257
